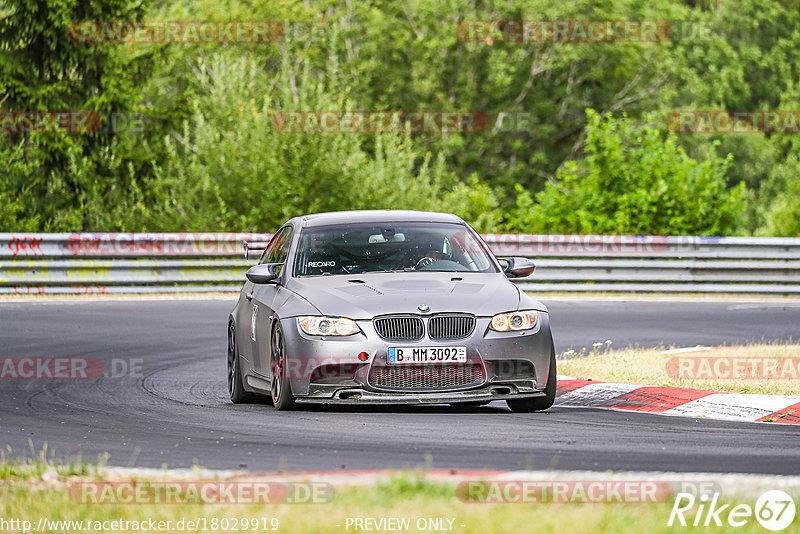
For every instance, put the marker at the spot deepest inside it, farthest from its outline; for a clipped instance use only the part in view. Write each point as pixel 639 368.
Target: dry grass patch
pixel 766 369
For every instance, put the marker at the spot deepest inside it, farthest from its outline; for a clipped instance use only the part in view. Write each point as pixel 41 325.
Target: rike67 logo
pixel 774 510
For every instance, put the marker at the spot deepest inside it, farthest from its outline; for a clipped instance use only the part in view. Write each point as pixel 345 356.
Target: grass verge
pixel 765 369
pixel 406 497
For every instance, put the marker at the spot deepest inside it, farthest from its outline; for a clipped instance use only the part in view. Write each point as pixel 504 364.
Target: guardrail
pixel 193 262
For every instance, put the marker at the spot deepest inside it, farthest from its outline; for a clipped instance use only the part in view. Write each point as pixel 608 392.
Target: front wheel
pixel 282 396
pixel 537 404
pixel 235 387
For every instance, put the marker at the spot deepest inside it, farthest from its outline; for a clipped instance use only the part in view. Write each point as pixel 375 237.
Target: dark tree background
pixel 578 139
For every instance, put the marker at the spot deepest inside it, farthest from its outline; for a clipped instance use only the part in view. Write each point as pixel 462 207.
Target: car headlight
pixel 327 326
pixel 518 320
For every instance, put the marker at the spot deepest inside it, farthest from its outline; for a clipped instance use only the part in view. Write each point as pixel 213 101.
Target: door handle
pixel 249 295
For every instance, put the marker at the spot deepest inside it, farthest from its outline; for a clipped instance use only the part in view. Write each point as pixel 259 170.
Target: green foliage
pixel 777 205
pixel 230 167
pixel 475 202
pixel 632 181
pixel 37 463
pixel 781 215
pixel 210 158
pixel 43 68
pixel 410 56
pixel 16 171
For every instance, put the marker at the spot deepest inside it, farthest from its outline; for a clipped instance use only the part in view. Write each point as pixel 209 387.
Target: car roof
pixel 373 216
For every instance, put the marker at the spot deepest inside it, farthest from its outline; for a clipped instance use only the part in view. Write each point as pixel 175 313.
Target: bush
pixel 632 181
pixel 781 215
pixel 231 168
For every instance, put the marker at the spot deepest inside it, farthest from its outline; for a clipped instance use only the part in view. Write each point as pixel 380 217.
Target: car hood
pixel 364 296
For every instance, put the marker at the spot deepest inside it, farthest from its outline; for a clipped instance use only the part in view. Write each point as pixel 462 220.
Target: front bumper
pixel 349 395
pixel 485 347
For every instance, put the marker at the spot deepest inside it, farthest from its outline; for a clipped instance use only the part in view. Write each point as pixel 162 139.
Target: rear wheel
pixel 235 387
pixel 282 396
pixel 537 404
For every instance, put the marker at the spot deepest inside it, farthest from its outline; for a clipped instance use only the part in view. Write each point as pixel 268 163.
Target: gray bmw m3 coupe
pixel 402 307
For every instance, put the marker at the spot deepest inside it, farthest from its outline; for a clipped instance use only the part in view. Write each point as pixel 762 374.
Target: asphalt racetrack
pixel 174 410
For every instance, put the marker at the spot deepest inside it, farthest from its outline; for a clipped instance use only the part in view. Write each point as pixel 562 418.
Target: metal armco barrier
pixel 100 263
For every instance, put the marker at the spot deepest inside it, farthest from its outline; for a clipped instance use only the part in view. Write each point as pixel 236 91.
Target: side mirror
pixel 263 273
pixel 518 267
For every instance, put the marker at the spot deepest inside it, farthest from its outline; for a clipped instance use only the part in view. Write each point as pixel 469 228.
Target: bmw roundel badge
pixel 424 308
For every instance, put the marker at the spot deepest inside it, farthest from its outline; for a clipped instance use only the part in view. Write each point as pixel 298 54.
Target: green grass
pixel 38 464
pixel 406 496
pixel 651 366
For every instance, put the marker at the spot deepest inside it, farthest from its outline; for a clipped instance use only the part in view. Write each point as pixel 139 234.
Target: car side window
pixel 270 246
pixel 278 249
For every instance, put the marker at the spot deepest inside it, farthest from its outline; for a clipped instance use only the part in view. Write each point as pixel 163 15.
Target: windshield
pixel 374 247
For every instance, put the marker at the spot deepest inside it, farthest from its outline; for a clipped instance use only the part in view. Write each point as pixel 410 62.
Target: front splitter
pixel 360 396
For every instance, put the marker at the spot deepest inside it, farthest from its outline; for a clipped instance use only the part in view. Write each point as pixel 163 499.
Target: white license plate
pixel 405 355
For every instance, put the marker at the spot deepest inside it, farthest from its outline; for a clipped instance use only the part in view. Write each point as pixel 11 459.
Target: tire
pixel 235 387
pixel 538 404
pixel 281 389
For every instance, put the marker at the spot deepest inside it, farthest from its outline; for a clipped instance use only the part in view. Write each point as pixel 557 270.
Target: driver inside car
pixel 430 257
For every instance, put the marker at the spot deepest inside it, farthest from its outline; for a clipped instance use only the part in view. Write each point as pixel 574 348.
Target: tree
pixel 43 68
pixel 632 181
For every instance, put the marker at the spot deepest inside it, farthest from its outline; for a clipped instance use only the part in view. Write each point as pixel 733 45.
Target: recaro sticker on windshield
pixel 321 264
